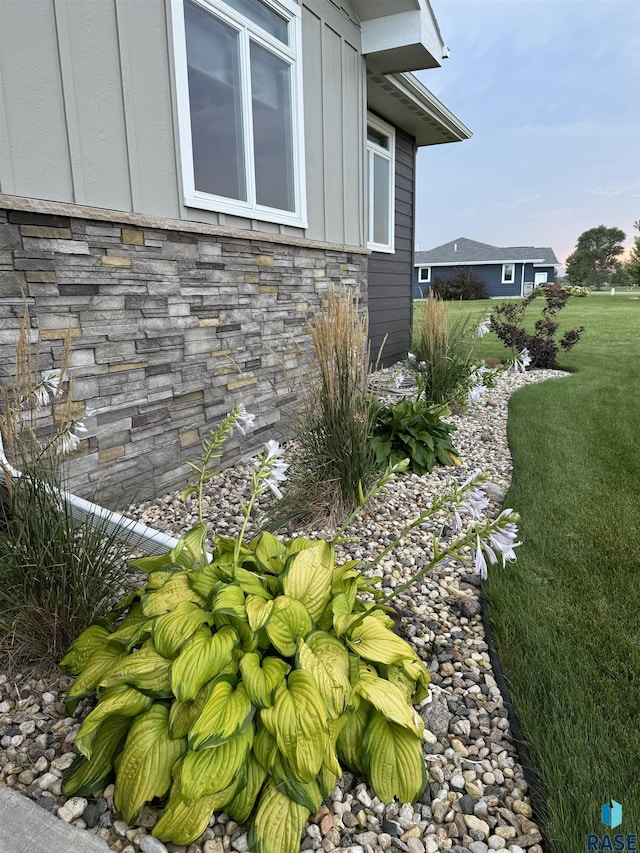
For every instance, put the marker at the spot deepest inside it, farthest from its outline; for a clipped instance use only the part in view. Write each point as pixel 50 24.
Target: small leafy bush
pixel 575 290
pixel 239 681
pixel 413 430
pixel 441 353
pixel 507 321
pixel 462 285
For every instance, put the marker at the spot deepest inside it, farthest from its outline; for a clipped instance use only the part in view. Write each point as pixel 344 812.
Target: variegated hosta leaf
pixel 170 595
pixel 228 599
pixel 100 662
pixel 262 680
pixel 269 552
pixel 225 714
pixel 204 579
pixel 134 628
pixel 278 824
pixel 194 541
pixel 121 700
pixel 172 630
pixel 327 660
pixel 350 739
pixel 307 577
pixel 200 660
pixel 371 640
pixel 144 769
pixel 299 719
pixel 307 794
pixel 251 583
pixel 265 746
pixel 183 713
pixel 210 771
pixel 300 543
pixel 145 670
pixel 158 577
pixel 80 651
pixel 393 760
pixel 343 614
pixel 258 611
pixel 242 804
pixel 395 673
pixel 182 822
pixel 289 620
pixel 86 776
pixel 418 672
pixel 390 701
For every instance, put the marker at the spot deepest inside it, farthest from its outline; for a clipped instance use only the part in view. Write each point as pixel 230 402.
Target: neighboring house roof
pixel 463 251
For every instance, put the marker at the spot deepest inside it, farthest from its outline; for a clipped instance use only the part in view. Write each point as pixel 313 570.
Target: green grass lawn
pixel 567 614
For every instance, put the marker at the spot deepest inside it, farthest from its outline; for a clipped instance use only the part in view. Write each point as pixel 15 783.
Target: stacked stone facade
pixel 169 330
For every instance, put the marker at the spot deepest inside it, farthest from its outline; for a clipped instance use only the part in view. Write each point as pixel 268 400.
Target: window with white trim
pixel 424 275
pixel 508 273
pixel 239 92
pixel 381 183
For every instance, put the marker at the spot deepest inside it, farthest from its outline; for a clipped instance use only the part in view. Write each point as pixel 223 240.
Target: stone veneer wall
pixel 170 329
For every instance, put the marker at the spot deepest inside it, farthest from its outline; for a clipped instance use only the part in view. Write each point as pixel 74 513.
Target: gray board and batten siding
pixel 88 92
pixel 389 291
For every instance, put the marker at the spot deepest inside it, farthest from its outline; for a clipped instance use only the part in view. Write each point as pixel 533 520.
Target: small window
pixel 424 275
pixel 381 178
pixel 238 80
pixel 508 273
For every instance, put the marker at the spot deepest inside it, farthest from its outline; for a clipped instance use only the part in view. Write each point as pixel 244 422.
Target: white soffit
pixel 404 101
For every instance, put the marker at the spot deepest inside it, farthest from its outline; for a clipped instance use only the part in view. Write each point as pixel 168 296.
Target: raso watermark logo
pixel 612 817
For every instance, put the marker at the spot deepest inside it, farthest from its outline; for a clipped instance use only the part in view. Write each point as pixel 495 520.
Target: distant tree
pixel 632 266
pixel 595 259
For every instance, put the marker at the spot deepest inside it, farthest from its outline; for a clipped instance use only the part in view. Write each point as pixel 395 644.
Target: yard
pixel 567 614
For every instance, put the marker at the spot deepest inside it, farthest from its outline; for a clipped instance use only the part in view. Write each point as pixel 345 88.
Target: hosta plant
pixel 240 681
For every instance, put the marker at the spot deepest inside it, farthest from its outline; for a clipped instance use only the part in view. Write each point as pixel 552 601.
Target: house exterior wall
pixel 491 274
pixel 89 113
pixel 390 275
pixel 169 330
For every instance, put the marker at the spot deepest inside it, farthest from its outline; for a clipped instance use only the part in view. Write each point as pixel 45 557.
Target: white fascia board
pixel 456 263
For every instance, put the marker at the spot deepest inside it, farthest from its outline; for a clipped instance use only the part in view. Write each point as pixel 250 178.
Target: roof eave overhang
pixel 455 262
pixel 405 102
pixel 400 35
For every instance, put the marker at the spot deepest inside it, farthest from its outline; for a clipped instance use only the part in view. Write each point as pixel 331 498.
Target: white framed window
pixel 508 273
pixel 424 275
pixel 381 140
pixel 238 68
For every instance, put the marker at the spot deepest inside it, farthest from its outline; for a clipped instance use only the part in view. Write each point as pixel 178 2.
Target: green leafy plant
pixel 413 430
pixel 239 681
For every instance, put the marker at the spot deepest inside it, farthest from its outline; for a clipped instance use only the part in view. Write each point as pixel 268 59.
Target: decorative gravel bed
pixel 476 799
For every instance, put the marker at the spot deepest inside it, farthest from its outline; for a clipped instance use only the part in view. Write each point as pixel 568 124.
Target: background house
pixel 180 182
pixel 510 271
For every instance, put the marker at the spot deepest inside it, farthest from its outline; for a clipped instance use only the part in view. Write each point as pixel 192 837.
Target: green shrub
pixel 239 682
pixel 462 285
pixel 441 353
pixel 411 429
pixel 575 290
pixel 541 346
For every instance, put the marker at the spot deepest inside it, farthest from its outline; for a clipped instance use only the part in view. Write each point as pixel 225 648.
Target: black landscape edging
pixel 536 790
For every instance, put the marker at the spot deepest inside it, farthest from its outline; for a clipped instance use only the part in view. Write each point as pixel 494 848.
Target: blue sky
pixel 551 91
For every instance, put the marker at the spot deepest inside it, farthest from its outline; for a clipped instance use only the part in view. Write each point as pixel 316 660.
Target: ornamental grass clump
pixel 335 459
pixel 441 356
pixel 242 681
pixel 55 576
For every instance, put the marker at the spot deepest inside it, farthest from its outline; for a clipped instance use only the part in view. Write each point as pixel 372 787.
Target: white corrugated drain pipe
pixel 135 533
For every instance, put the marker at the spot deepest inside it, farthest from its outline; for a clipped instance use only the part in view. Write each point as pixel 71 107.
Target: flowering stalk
pixel 268 472
pixel 212 447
